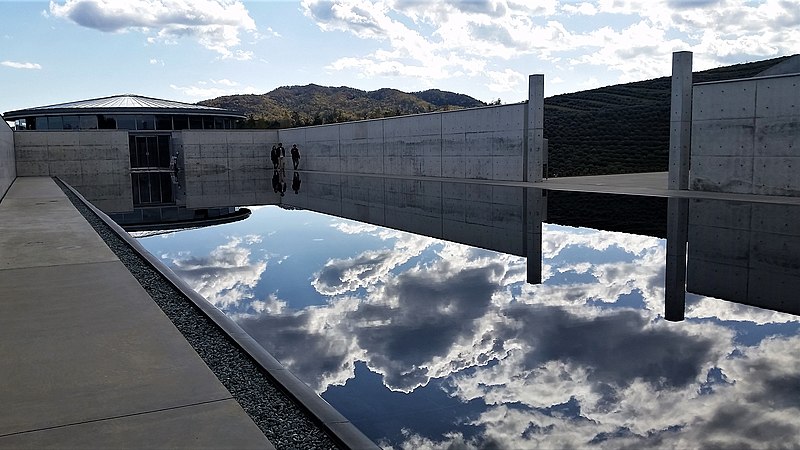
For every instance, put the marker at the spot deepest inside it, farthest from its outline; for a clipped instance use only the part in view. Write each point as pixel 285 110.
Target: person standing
pixel 281 157
pixel 273 156
pixel 295 156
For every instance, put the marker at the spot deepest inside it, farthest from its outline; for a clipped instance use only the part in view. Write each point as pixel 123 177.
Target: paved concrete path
pixel 653 184
pixel 87 359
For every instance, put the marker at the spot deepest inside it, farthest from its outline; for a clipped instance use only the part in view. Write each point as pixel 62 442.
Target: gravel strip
pixel 284 423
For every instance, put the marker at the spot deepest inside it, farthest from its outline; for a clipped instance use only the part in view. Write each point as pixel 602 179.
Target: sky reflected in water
pixel 424 343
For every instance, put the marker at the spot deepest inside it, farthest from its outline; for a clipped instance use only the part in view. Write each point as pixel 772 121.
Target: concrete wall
pixel 222 168
pixel 97 162
pixel 491 217
pixel 481 143
pixel 746 136
pixel 8 170
pixel 745 252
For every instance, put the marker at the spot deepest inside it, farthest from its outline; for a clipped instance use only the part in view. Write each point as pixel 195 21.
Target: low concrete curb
pixel 331 420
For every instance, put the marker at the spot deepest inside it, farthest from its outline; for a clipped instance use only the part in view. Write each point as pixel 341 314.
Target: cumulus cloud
pixel 740 399
pixel 20 65
pixel 441 39
pixel 226 276
pixel 339 276
pixel 389 324
pixel 505 81
pixel 585 9
pixel 215 24
pixel 214 88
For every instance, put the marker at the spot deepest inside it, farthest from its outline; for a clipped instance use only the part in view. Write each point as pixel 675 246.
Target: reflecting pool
pixel 500 317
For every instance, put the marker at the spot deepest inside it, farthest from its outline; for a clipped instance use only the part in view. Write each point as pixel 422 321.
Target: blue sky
pixel 184 50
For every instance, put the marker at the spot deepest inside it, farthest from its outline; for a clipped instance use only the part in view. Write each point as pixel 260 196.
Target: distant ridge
pixel 291 106
pixel 615 129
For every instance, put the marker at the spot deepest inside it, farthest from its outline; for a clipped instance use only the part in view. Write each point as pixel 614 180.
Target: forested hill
pixel 622 128
pixel 292 106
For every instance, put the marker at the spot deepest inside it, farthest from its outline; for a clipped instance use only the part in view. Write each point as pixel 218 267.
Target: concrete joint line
pixel 122 416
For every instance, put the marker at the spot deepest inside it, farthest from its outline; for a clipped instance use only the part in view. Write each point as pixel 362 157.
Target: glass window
pixel 106 122
pixel 88 122
pixel 140 150
pixel 180 122
pixel 133 149
pixel 163 122
pixel 125 122
pixel 208 123
pixel 71 122
pixel 163 151
pixel 55 123
pixel 41 123
pixel 135 182
pixel 149 151
pixel 219 123
pixel 166 188
pixel 151 188
pixel 145 122
pixel 196 122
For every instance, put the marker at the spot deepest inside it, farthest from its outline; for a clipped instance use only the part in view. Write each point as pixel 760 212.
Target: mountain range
pixel 294 106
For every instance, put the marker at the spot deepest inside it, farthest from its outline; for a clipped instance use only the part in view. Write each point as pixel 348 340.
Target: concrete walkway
pixel 87 359
pixel 651 184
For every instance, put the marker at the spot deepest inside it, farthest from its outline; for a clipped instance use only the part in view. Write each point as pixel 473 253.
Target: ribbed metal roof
pixel 127 103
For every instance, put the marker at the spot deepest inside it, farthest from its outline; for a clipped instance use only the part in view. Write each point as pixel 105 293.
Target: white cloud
pixel 214 88
pixel 584 9
pixel 445 39
pixel 226 276
pixel 20 65
pixel 340 276
pixel 215 24
pixel 505 81
pixel 225 82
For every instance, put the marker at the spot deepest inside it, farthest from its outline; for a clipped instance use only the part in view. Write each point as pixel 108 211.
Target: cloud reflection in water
pixel 572 362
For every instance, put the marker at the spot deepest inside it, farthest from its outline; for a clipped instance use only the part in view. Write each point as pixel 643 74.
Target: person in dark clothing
pixel 273 156
pixel 281 156
pixel 295 156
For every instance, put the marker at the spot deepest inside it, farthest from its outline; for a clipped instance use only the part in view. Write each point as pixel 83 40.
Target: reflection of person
pixel 295 156
pixel 281 156
pixel 296 182
pixel 282 182
pixel 273 156
pixel 276 182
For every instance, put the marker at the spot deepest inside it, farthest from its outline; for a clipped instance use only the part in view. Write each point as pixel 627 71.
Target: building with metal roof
pixel 123 112
pixel 102 143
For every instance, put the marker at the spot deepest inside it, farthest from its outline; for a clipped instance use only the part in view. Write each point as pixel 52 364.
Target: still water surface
pixel 426 343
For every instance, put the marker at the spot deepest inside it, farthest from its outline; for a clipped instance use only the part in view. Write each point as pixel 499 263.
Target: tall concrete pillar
pixel 680 122
pixel 535 215
pixel 677 235
pixel 535 129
